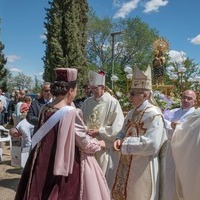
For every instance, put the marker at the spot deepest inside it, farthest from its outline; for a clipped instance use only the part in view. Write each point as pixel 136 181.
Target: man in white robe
pixel 141 140
pixel 172 118
pixel 186 150
pixel 104 118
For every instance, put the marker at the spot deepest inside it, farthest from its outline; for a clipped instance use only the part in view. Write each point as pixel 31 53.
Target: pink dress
pixel 46 174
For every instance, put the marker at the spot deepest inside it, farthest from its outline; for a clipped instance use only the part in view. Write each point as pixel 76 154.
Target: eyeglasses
pixel 87 88
pixel 134 93
pixel 95 86
pixel 47 90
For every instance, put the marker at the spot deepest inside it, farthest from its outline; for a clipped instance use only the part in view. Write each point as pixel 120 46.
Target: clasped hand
pixel 93 132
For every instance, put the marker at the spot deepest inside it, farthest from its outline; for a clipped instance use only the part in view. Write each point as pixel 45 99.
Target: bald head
pixel 188 99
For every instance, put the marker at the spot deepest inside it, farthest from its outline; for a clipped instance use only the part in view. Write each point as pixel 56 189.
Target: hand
pixel 15 133
pixel 93 132
pixel 117 144
pixel 102 144
pixel 173 124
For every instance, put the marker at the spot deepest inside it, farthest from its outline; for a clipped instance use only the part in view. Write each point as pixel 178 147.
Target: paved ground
pixel 9 176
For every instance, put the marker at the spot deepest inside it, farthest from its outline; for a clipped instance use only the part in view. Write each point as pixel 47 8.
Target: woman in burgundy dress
pixel 61 165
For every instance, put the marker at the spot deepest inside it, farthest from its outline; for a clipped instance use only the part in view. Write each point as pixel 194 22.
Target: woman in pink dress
pixel 61 165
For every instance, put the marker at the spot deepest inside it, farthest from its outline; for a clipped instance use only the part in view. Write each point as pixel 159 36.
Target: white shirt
pixel 3 100
pixel 26 129
pixel 177 114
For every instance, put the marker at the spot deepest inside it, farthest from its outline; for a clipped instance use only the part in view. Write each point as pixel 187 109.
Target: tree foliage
pixel 20 82
pixel 66 23
pixel 138 40
pixel 37 86
pixel 3 70
pixel 185 80
pixel 132 47
pixel 98 34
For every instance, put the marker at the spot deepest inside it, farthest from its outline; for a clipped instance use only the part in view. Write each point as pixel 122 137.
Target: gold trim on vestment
pixel 134 127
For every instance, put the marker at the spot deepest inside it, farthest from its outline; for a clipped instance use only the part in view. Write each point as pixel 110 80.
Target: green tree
pixel 98 44
pixel 137 42
pixel 3 70
pixel 184 80
pixel 66 24
pixel 20 82
pixel 37 85
pixel 132 47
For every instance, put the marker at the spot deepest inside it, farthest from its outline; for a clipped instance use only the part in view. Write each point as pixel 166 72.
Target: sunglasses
pixel 47 90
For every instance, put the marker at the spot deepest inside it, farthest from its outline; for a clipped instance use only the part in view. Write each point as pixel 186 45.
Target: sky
pixel 22 28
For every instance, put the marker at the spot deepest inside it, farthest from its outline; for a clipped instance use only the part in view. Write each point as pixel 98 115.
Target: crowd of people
pixel 87 149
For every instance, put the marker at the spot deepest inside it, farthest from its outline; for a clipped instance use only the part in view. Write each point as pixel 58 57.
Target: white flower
pixel 119 94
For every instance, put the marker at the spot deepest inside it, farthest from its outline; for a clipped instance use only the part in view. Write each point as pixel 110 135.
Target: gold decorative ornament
pixel 161 45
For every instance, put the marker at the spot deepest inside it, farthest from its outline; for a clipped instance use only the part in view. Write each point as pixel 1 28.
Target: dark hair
pixel 86 86
pixel 61 87
pixel 27 99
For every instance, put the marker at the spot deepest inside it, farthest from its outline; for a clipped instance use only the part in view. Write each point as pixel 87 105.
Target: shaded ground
pixel 9 176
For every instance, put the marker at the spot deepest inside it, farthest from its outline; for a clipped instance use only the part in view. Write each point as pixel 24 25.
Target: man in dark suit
pixel 88 93
pixel 36 106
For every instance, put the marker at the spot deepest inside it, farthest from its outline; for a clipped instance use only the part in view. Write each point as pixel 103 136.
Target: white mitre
pixel 96 78
pixel 141 80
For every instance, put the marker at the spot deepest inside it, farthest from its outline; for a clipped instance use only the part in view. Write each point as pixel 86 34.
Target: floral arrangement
pixel 165 102
pixel 123 100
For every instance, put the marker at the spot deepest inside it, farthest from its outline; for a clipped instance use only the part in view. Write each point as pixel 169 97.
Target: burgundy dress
pixel 37 181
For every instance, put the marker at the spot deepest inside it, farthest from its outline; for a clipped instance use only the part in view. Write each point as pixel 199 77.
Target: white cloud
pixel 197 67
pixel 126 8
pixel 14 69
pixel 117 3
pixel 195 40
pixel 177 56
pixel 43 37
pixel 106 47
pixel 40 73
pixel 154 5
pixel 12 58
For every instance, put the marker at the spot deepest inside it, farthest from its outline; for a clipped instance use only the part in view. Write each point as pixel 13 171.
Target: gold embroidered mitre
pixel 141 80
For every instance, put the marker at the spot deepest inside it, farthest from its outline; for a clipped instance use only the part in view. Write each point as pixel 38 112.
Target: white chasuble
pixel 143 135
pixel 105 115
